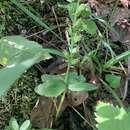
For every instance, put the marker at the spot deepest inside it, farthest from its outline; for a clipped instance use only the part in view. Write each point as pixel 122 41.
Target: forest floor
pixel 23 103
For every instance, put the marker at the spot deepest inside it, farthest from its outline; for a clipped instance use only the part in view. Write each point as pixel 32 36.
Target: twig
pixel 46 31
pixel 84 118
pixel 53 10
pixel 127 79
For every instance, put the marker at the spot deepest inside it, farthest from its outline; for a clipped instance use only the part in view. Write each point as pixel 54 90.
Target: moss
pixel 20 100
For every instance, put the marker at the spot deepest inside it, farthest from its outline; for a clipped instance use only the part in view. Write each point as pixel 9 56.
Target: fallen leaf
pixel 76 98
pixel 43 112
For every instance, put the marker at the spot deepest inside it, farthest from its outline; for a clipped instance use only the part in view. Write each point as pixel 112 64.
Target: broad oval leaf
pixel 26 125
pixel 13 124
pixel 78 83
pixel 79 86
pixel 20 54
pixel 53 86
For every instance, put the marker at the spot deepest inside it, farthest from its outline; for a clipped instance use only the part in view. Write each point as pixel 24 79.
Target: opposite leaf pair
pixel 54 85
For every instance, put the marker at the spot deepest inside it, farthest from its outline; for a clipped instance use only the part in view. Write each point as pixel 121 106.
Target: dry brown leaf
pixel 101 7
pixel 43 112
pixel 119 14
pixel 119 21
pixel 76 98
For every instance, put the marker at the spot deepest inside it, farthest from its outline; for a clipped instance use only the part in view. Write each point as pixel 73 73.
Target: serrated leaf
pixel 20 54
pixel 113 80
pixel 107 110
pixel 112 117
pixel 26 125
pixel 13 124
pixel 53 86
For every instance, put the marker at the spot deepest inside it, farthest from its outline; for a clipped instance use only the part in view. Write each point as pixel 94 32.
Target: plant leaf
pixel 74 77
pixel 79 86
pixel 7 128
pixel 13 124
pixel 20 54
pixel 83 10
pixel 53 86
pixel 78 83
pixel 53 51
pixel 114 118
pixel 72 7
pixel 70 1
pixel 113 80
pixel 76 37
pixel 89 26
pixel 26 125
pixel 46 129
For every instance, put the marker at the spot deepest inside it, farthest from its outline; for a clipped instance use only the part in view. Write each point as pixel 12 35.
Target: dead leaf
pixel 43 112
pixel 101 7
pixel 57 67
pixel 76 98
pixel 122 26
pixel 119 14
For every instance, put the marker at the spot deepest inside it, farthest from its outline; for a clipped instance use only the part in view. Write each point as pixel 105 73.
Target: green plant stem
pixel 67 73
pixel 113 93
pixel 60 105
pixel 63 96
